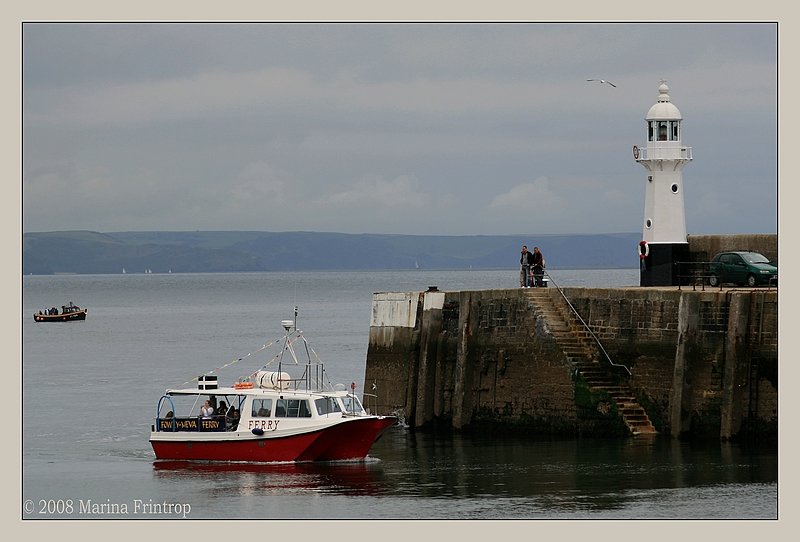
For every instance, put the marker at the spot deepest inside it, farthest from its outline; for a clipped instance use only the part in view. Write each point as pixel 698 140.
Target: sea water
pixel 90 391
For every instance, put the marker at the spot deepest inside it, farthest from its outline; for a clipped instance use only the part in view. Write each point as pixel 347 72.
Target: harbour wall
pixel 703 247
pixel 702 363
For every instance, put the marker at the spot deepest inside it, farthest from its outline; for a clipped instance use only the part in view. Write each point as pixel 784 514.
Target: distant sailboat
pixel 416 265
pixel 123 271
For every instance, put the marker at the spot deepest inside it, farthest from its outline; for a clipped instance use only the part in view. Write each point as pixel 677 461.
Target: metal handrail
pixel 700 271
pixel 589 329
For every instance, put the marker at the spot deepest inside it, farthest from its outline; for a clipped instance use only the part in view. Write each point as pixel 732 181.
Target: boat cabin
pixel 246 410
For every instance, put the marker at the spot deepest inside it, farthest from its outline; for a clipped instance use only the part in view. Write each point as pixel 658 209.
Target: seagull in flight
pixel 603 81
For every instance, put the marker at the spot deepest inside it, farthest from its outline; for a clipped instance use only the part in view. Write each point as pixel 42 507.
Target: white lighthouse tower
pixel 664 242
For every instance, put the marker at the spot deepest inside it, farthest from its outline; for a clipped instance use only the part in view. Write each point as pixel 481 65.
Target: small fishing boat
pixel 69 313
pixel 267 416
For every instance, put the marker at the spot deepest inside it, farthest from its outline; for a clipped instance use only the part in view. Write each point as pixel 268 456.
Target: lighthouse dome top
pixel 663 109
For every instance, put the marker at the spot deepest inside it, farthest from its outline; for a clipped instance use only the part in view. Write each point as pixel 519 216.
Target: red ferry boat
pixel 266 417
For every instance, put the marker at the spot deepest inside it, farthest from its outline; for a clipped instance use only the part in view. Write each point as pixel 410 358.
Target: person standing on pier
pixel 538 267
pixel 525 263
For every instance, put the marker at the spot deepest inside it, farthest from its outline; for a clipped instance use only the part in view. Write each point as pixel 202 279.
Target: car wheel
pixel 713 280
pixel 751 280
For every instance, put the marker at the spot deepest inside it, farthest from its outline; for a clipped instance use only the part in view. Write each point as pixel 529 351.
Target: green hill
pixel 232 251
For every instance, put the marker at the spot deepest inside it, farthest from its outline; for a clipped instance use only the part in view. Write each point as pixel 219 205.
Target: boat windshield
pixel 191 405
pixel 352 405
pixel 198 412
pixel 326 405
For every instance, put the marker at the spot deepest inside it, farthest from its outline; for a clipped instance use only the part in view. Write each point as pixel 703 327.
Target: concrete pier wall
pixel 703 247
pixel 703 363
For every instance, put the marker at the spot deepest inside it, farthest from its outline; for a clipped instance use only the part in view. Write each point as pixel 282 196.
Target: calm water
pixel 90 391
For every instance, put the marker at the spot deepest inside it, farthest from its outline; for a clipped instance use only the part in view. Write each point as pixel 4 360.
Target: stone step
pixel 632 411
pixel 575 352
pixel 597 374
pixel 598 385
pixel 580 349
pixel 597 379
pixel 591 372
pixel 615 390
pixel 638 426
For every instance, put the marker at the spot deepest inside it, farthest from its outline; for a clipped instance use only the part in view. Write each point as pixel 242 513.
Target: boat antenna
pixel 287 325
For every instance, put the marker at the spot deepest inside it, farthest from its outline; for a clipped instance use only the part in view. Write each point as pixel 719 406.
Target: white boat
pixel 267 416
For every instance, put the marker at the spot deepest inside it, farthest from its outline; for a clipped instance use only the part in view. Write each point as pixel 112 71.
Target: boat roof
pixel 253 391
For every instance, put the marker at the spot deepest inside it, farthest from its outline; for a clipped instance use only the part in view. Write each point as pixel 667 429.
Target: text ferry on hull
pixel 266 417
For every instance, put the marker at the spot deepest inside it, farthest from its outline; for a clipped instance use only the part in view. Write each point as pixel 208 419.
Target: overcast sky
pixel 390 128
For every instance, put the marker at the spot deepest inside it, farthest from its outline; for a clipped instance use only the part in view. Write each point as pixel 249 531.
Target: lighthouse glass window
pixel 666 130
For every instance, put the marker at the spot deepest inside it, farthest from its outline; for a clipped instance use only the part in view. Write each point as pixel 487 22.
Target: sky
pixel 398 128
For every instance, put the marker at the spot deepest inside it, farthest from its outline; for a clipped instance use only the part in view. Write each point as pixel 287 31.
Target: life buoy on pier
pixel 644 250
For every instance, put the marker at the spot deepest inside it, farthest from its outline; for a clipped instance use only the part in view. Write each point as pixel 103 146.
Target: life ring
pixel 644 250
pixel 243 385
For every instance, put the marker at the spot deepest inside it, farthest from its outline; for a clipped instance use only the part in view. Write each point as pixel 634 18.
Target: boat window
pixel 326 405
pixel 352 404
pixel 292 408
pixel 261 408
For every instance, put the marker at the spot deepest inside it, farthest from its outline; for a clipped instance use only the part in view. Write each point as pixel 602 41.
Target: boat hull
pixel 349 439
pixel 69 317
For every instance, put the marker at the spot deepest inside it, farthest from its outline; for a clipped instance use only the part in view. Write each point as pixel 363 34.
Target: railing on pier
pixel 585 325
pixel 698 273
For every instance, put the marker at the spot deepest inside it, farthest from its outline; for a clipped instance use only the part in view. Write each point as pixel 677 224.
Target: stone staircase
pixel 582 352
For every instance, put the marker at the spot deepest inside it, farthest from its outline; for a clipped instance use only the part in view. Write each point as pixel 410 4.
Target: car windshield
pixel 754 257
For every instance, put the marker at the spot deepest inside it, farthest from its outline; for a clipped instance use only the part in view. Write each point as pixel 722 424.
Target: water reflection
pixel 542 476
pixel 461 476
pixel 343 478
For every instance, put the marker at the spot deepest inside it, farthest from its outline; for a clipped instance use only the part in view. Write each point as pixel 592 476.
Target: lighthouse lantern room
pixel 664 244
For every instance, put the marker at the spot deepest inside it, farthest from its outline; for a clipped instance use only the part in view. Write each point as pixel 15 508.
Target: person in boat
pixel 170 414
pixel 222 410
pixel 233 420
pixel 207 411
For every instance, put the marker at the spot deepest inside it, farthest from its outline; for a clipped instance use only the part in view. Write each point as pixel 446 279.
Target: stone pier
pixel 702 363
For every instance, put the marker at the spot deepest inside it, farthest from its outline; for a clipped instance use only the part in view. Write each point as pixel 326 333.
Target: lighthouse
pixel 664 242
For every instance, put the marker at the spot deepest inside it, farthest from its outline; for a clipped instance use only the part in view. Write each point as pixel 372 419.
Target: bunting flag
pixel 237 360
pixel 298 335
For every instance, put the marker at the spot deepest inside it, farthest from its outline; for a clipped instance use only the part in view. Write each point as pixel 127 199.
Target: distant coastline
pixel 88 252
